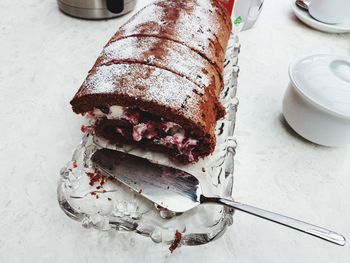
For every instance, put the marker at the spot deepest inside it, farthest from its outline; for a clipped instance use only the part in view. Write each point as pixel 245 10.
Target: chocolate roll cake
pixel 157 81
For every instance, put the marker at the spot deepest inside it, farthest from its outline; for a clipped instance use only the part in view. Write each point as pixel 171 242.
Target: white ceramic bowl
pixel 317 102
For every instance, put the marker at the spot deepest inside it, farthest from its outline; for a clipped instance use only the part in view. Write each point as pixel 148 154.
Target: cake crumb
pixel 85 128
pixel 97 177
pixel 176 241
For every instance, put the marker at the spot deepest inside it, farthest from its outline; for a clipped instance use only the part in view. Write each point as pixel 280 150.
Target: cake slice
pixel 202 25
pixel 160 90
pixel 165 54
pixel 151 107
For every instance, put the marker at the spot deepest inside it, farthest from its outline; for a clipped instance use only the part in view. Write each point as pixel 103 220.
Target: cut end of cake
pixel 122 125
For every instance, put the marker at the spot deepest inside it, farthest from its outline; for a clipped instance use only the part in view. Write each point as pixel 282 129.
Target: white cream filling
pixel 175 137
pixel 115 112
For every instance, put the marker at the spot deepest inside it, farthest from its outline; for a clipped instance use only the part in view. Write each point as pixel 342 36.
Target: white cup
pixel 330 11
pixel 246 13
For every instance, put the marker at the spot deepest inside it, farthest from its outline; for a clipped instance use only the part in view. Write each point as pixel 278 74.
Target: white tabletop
pixel 44 57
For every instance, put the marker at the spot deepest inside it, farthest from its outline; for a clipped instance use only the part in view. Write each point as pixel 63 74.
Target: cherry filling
pixel 138 127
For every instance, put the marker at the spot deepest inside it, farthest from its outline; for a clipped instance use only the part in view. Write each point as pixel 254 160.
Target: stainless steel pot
pixel 96 9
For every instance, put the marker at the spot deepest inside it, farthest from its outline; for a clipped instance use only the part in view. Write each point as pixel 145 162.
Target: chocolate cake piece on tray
pixel 203 25
pixel 157 81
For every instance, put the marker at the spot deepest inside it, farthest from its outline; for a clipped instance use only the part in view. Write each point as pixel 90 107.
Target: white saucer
pixel 305 17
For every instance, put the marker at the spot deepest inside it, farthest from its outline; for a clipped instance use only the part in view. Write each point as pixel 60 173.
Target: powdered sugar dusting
pixel 171 19
pixel 163 53
pixel 148 84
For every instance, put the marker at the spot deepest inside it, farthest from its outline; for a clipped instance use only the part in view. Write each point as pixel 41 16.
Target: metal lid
pixel 325 80
pixel 96 9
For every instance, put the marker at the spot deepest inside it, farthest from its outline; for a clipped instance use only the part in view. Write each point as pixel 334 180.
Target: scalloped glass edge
pixel 158 225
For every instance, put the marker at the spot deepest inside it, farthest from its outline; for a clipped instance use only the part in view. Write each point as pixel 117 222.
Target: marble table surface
pixel 44 57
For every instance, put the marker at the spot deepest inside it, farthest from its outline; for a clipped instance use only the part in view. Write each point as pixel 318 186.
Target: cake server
pixel 179 191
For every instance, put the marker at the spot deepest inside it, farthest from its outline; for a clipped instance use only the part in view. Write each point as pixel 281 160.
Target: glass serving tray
pixel 94 199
